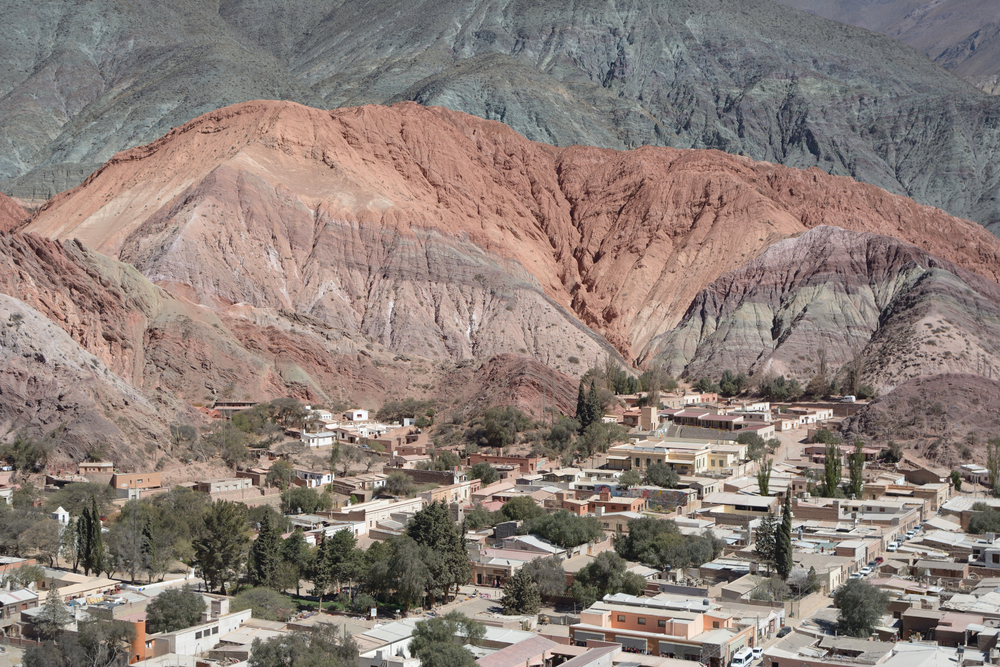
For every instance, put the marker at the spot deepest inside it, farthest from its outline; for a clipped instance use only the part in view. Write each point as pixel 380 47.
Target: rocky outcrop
pixel 748 77
pixel 50 385
pixel 899 310
pixel 441 235
pixel 12 215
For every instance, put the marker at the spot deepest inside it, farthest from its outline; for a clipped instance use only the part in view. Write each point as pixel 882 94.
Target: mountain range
pixel 753 78
pixel 269 248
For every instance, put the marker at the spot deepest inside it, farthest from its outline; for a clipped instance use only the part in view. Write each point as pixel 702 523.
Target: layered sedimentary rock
pixel 439 234
pixel 899 310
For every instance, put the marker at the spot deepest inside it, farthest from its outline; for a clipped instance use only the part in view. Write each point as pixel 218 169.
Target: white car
pixel 855 575
pixel 865 571
pixel 758 652
pixel 892 546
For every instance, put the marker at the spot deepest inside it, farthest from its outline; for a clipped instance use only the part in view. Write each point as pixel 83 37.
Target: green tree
pixel 174 609
pixel 265 553
pixel 96 644
pixel 993 463
pixel 662 475
pixel 783 553
pixel 565 529
pixel 582 407
pixel 484 472
pixel 756 445
pixel 433 527
pixel 765 540
pixel 126 539
pixel 520 595
pixel 630 478
pixel 221 548
pixel 91 540
pixel 521 508
pixel 434 641
pixel 54 615
pixel 985 520
pixel 607 574
pixel 732 384
pixel 594 411
pixel 326 645
pixel 956 480
pixel 280 474
pixel 501 426
pixel 75 497
pixel 764 478
pixel 832 470
pixel 295 551
pixel 398 484
pixel 265 603
pixel 302 500
pixel 856 467
pixel 548 574
pixel 861 607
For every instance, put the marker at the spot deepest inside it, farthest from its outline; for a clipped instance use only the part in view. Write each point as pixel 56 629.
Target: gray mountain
pixel 752 77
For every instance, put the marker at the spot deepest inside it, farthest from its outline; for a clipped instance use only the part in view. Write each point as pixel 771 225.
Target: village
pixel 724 532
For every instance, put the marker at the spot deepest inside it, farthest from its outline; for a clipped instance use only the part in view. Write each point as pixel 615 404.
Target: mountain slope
pixel 960 35
pixel 442 235
pixel 751 77
pixel 900 310
pixel 12 215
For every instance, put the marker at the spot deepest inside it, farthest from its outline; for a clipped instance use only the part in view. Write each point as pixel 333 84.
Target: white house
pixel 321 439
pixel 61 515
pixel 356 415
pixel 314 478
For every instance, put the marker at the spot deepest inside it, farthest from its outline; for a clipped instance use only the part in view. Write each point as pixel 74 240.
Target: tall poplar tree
pixel 265 553
pixel 832 470
pixel 856 467
pixel 91 540
pixel 783 562
pixel 581 406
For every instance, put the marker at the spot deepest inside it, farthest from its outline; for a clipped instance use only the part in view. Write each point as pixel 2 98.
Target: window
pixel 647 463
pixel 642 621
pixel 996 558
pixel 197 635
pixel 662 623
pixel 621 618
pixel 638 463
pixel 713 462
pixel 215 630
pixel 715 624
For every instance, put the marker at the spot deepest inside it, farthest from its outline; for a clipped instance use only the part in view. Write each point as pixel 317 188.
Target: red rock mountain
pixel 442 235
pixel 12 215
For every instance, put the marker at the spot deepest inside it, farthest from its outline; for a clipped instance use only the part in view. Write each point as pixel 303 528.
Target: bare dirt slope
pixel 439 234
pixel 946 418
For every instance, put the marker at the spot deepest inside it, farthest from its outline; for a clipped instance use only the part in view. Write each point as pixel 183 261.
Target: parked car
pixel 879 560
pixel 892 546
pixel 865 571
pixel 758 652
pixel 784 631
pixel 855 575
